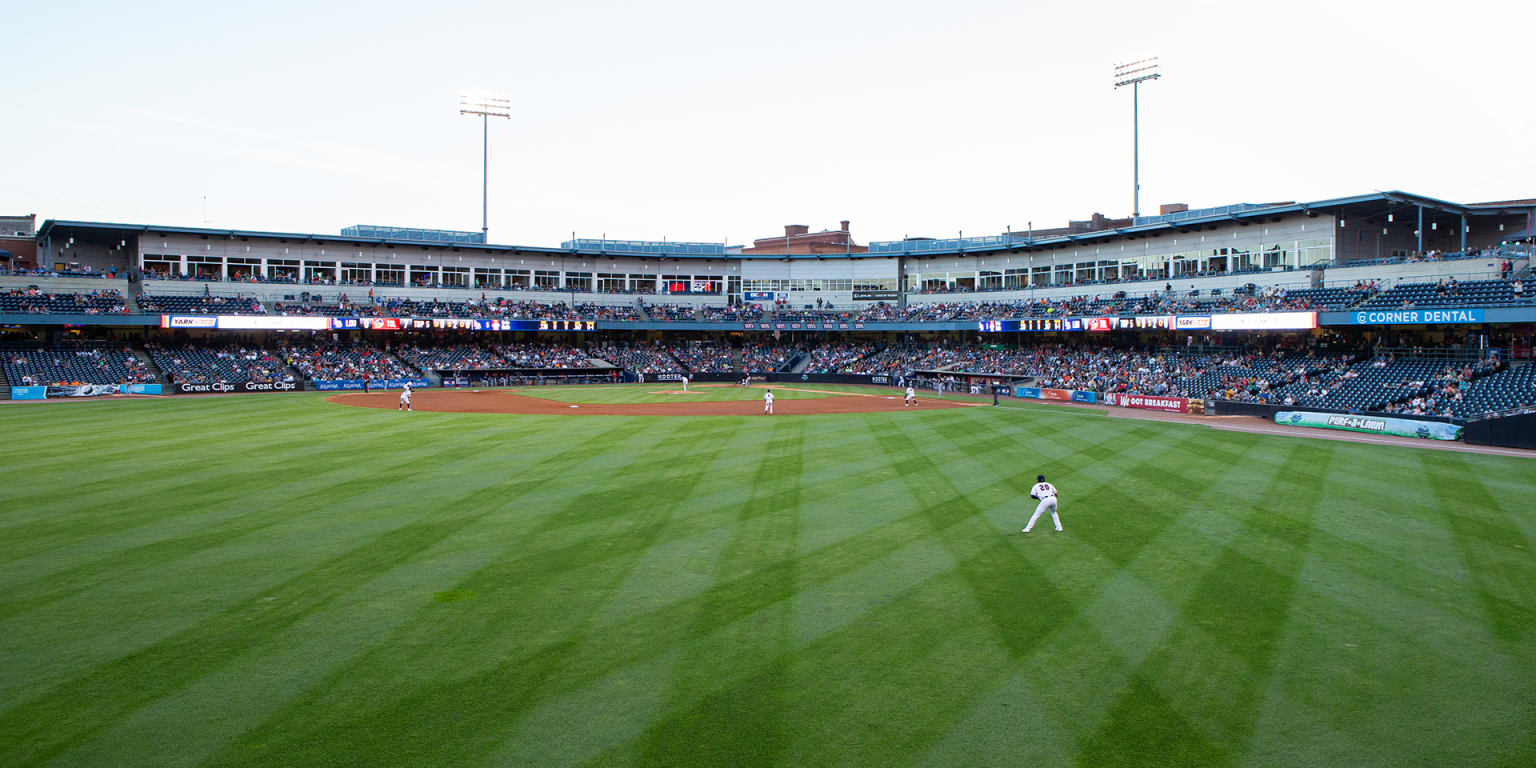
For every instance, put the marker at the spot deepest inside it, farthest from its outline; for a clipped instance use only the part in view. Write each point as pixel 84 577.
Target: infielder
pixel 405 398
pixel 911 398
pixel 685 383
pixel 1046 493
pixel 768 402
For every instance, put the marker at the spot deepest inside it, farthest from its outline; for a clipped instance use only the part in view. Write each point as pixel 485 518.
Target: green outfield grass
pixel 275 580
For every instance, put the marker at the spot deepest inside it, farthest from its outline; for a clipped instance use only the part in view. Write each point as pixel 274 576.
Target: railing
pixel 1441 353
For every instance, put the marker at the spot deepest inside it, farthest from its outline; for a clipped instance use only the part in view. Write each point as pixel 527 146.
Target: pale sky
pixel 726 120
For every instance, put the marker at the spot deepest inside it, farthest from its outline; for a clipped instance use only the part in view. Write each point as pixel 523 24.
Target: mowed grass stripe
pixel 747 719
pixel 553 592
pixel 1230 624
pixel 178 660
pixel 868 602
pixel 105 562
pixel 497 498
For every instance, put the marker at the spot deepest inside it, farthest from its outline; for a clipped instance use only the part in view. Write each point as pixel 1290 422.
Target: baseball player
pixel 405 398
pixel 1046 493
pixel 685 383
pixel 768 402
pixel 911 398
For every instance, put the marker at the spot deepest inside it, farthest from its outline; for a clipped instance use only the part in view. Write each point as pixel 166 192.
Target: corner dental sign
pixel 1418 316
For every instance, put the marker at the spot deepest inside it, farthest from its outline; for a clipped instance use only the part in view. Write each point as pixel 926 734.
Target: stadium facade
pixel 1290 244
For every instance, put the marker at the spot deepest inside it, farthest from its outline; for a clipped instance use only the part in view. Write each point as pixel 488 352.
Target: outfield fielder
pixel 1046 493
pixel 768 402
pixel 911 397
pixel 405 398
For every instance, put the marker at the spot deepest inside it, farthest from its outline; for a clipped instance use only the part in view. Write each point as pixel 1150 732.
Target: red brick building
pixel 18 236
pixel 798 239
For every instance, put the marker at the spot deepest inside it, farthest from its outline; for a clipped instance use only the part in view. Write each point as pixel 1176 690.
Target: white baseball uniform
pixel 768 403
pixel 405 398
pixel 911 397
pixel 1046 493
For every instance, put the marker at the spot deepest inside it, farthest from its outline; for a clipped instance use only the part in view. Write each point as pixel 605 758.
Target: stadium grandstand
pixel 1385 302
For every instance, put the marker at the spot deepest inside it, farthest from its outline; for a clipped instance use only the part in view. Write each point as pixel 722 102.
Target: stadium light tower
pixel 1134 73
pixel 486 106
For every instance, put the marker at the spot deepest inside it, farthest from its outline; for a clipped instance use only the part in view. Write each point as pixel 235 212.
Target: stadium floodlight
pixel 1134 73
pixel 486 106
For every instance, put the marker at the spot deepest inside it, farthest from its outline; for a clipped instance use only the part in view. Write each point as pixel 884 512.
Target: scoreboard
pixel 498 324
pixel 1028 325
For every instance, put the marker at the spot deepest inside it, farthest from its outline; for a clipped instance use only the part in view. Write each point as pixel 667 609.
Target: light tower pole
pixel 1134 73
pixel 486 106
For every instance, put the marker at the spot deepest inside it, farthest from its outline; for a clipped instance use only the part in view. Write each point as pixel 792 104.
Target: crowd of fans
pixel 1442 394
pixel 201 305
pixel 838 358
pixel 757 358
pixel 334 361
pixel 642 359
pixel 33 301
pixel 37 365
pixel 703 358
pixel 209 363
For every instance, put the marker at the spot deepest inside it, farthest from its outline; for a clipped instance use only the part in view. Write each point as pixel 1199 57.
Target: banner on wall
pixel 335 384
pixel 83 390
pixel 1060 395
pixel 1264 321
pixel 225 387
pixel 1155 402
pixel 1416 316
pixel 1376 425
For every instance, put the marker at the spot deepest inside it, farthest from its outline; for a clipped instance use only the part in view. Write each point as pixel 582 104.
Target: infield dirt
pixel 506 401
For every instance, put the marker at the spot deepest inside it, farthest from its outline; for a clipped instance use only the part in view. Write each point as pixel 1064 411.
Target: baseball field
pixel 287 580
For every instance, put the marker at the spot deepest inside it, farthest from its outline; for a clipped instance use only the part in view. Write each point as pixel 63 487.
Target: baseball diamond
pixel 1104 412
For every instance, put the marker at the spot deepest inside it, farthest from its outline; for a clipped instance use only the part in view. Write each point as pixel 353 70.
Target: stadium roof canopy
pixel 1358 206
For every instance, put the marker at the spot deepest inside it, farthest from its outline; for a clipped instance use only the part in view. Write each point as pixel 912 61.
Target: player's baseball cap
pixel 1039 478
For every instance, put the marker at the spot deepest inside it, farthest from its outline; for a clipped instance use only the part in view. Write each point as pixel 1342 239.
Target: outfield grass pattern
pixel 278 580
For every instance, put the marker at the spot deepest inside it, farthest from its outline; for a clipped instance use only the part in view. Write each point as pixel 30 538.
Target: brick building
pixel 798 239
pixel 18 237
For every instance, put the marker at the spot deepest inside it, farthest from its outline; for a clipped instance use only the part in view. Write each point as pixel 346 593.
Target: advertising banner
pixel 83 390
pixel 225 387
pixel 877 295
pixel 268 323
pixel 187 321
pixel 1415 316
pixel 335 384
pixel 1264 321
pixel 1192 322
pixel 1059 395
pixel 757 295
pixel 1154 402
pixel 1377 425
